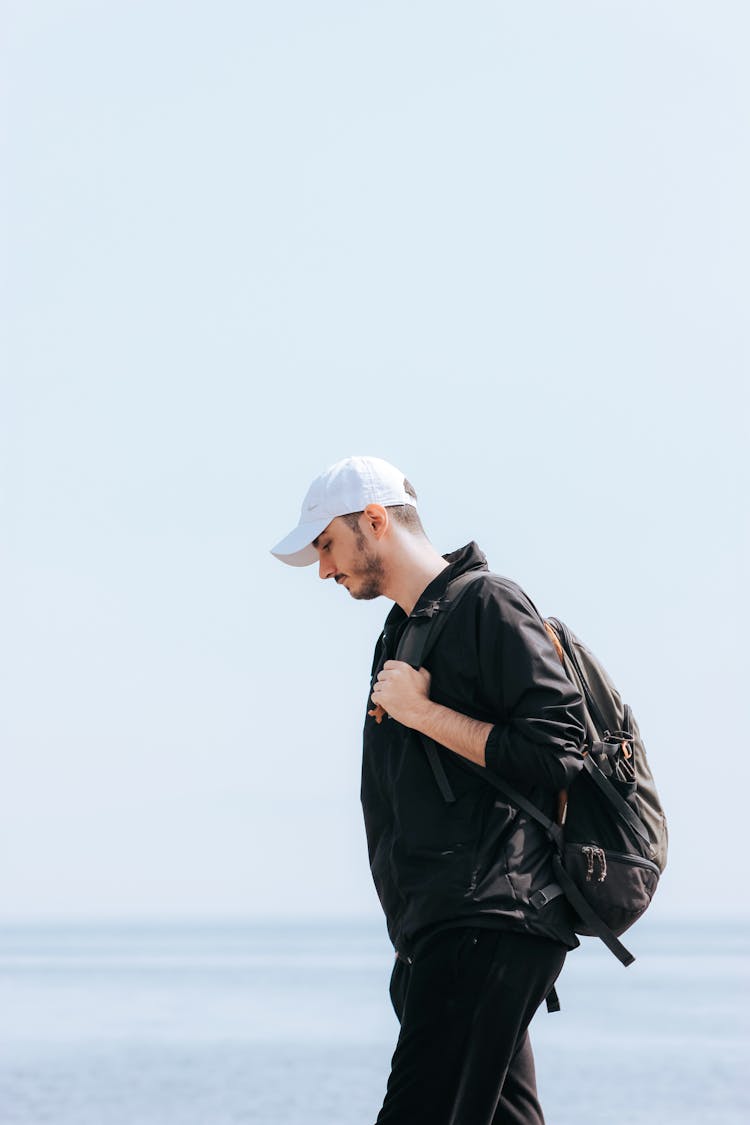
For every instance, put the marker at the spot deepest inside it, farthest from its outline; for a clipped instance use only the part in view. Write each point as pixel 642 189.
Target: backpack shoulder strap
pixel 422 632
pixel 417 641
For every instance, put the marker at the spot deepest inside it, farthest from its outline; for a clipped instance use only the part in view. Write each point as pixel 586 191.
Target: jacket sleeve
pixel 539 733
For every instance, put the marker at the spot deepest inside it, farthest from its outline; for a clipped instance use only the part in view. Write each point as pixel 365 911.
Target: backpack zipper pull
pixel 595 855
pixel 602 865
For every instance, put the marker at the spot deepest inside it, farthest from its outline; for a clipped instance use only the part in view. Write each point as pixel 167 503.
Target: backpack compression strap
pixel 562 639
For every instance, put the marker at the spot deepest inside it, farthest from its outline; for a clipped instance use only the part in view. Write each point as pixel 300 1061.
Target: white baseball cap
pixel 346 487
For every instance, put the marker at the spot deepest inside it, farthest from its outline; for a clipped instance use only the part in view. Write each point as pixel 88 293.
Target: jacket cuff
pixel 492 751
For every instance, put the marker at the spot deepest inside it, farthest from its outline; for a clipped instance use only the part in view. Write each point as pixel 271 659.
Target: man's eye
pixel 326 546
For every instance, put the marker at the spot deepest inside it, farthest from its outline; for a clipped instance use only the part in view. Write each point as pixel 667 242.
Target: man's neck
pixel 417 566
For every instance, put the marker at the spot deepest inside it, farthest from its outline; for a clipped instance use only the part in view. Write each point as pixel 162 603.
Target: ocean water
pixel 179 1024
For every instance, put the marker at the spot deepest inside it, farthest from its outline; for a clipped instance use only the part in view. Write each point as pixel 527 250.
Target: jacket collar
pixel 466 558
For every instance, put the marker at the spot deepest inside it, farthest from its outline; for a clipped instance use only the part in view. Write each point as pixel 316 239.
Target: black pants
pixel 463 1055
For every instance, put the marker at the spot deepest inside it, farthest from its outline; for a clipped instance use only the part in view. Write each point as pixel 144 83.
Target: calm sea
pixel 291 1025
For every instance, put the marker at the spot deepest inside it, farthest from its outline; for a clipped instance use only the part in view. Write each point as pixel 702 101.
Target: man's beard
pixel 371 574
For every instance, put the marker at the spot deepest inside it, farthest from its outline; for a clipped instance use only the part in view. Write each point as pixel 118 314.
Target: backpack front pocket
pixel 618 886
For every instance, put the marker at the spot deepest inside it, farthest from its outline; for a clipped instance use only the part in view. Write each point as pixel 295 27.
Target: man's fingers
pixel 397 669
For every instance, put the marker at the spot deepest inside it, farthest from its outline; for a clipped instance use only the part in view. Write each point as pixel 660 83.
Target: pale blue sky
pixel 502 245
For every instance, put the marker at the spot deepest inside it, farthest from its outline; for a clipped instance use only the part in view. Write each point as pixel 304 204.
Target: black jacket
pixel 478 860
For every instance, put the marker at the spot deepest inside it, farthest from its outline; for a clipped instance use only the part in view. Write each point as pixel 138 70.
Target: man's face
pixel 345 555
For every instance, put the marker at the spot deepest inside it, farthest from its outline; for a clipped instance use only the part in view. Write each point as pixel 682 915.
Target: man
pixel 459 871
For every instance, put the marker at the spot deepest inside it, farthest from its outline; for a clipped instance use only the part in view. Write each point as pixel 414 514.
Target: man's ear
pixel 377 519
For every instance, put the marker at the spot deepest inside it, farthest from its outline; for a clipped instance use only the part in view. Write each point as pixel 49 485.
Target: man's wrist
pixel 428 717
pixel 460 733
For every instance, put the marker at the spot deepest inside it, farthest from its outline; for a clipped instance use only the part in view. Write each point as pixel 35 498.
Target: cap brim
pixel 297 549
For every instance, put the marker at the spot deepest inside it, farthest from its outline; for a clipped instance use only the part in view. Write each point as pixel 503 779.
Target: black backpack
pixel 610 835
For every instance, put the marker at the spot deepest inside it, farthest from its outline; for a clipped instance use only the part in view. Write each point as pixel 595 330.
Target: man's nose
pixel 325 568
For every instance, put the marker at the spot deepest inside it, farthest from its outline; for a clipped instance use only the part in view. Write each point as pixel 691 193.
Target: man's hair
pixel 405 514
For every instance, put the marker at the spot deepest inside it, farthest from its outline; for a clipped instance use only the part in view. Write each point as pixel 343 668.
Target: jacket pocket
pixel 440 875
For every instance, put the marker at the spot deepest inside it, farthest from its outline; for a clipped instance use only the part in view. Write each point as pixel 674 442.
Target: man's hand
pixel 403 692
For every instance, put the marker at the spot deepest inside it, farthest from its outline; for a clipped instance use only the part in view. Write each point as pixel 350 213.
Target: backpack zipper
pixel 597 858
